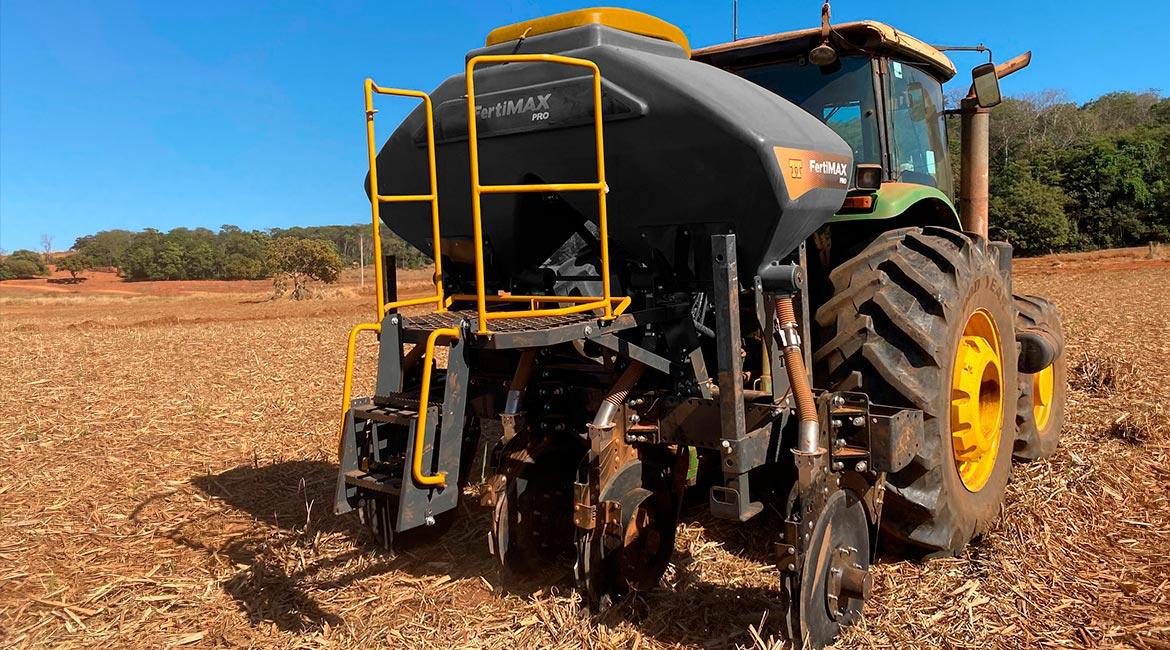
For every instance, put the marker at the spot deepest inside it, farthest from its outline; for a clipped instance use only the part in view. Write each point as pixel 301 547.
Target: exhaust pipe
pixel 975 130
pixel 973 176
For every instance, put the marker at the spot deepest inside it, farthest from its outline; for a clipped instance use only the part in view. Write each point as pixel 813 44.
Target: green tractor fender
pixel 909 203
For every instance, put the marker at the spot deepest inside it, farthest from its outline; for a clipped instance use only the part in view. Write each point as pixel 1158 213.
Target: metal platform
pixel 506 333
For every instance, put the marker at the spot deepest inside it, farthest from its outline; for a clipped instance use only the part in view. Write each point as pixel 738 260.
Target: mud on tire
pixel 891 329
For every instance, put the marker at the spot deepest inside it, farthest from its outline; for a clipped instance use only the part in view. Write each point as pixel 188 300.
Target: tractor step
pixel 374 482
pixel 386 454
pixel 401 411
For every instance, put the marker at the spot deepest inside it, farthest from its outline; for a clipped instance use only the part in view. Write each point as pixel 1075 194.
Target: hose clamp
pixel 788 335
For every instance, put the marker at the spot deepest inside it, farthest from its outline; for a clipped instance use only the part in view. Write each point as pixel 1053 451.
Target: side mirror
pixel 986 84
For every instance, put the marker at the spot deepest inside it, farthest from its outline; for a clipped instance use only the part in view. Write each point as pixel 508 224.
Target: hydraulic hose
pixel 808 439
pixel 618 394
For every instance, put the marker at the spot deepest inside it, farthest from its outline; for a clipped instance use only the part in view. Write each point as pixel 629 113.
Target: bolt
pixel 838 466
pixel 430 521
pixel 839 442
pixel 791 566
pixel 838 400
pixel 790 551
pixel 861 466
pixel 857 421
pixel 836 423
pixel 588 330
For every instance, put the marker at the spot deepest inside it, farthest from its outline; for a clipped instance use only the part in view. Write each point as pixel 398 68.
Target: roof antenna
pixel 734 20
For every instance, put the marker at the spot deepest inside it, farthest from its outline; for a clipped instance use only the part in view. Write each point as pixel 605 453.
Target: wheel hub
pixel 977 401
pixel 849 580
pixel 1043 389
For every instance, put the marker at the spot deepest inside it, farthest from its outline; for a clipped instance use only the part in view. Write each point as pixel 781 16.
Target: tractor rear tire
pixel 905 320
pixel 1040 412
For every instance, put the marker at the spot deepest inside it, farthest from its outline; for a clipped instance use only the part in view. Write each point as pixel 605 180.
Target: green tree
pixel 151 256
pixel 1030 215
pixel 27 264
pixel 245 254
pixel 15 269
pixel 301 260
pixel 104 248
pixel 76 264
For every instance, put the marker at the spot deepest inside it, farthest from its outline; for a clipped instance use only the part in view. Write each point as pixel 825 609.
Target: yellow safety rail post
pixel 377 199
pixel 477 190
pixel 416 468
pixel 347 383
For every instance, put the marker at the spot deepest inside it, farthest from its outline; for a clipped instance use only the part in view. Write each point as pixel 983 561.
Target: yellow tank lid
pixel 626 20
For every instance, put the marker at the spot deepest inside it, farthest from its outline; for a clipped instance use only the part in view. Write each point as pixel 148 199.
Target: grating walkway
pixel 433 321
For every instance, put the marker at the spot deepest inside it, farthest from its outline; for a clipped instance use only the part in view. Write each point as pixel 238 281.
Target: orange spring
pixel 794 362
pixel 625 383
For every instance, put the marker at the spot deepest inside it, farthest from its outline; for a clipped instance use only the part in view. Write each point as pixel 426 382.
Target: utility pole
pixel 362 256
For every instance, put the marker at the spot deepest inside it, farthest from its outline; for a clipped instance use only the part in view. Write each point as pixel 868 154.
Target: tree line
pixel 1070 178
pixel 203 254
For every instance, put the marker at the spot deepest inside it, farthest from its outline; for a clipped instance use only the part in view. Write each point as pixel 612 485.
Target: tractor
pixel 736 272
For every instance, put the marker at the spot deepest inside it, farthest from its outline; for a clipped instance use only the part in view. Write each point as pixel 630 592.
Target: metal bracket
pixel 635 352
pixel 512 425
pixel 611 520
pixel 584 512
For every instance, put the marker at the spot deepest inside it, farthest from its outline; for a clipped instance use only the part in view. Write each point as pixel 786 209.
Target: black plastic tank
pixel 690 150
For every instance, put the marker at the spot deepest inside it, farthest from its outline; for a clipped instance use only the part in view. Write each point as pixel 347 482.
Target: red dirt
pixel 99 282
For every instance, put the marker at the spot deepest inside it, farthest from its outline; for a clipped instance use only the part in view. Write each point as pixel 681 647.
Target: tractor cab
pixel 877 88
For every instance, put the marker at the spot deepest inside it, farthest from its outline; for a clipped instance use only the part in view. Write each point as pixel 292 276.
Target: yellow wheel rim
pixel 1043 388
pixel 977 401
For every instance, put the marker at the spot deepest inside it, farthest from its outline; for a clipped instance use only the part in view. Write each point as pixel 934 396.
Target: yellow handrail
pixel 416 468
pixel 377 199
pixel 605 301
pixel 347 383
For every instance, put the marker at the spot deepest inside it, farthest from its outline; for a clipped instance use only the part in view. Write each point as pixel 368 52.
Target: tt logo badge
pixel 797 167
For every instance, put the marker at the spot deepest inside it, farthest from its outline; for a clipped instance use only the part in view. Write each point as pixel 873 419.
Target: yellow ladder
pixel 382 308
pixel 580 303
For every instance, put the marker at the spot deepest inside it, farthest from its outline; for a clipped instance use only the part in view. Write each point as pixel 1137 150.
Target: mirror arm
pixel 1014 64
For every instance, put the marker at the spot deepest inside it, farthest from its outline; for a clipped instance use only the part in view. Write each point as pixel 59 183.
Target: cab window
pixel 841 95
pixel 918 128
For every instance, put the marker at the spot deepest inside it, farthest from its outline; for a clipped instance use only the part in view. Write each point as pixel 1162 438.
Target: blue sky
pixel 166 114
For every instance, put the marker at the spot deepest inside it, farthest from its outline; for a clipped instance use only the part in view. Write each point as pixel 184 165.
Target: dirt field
pixel 167 465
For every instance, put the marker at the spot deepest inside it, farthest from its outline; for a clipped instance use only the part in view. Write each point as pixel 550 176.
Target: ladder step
pixel 383 483
pixel 385 414
pixel 403 403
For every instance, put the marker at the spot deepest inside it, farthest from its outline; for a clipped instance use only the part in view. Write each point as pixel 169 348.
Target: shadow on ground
pixel 292 502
